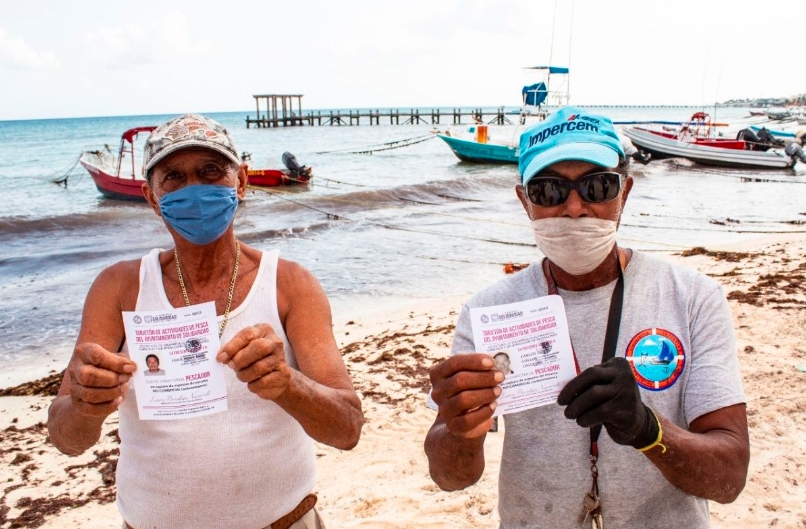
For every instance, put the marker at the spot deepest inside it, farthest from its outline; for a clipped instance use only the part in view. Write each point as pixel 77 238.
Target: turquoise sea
pixel 405 223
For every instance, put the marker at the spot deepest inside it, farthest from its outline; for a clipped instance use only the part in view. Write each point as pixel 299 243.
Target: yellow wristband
pixel 658 440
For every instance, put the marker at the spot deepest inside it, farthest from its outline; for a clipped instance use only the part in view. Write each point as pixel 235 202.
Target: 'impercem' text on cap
pixel 575 122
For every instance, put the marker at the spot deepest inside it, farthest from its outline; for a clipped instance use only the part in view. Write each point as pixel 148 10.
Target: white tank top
pixel 241 468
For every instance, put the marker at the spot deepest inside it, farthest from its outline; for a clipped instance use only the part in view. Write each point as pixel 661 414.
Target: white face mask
pixel 575 245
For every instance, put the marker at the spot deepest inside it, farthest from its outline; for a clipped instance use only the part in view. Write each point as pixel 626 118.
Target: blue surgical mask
pixel 200 213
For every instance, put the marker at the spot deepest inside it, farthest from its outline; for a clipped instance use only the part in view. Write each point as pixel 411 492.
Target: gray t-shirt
pixel 676 331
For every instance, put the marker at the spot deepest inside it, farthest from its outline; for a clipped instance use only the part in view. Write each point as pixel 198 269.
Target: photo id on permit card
pixel 530 343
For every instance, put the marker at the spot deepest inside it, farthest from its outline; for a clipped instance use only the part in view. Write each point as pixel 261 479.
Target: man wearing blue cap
pixel 653 341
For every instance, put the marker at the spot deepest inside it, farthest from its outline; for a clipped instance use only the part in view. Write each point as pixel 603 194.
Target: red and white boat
pixel 107 168
pixel 294 174
pixel 697 142
pixel 118 176
pixel 708 151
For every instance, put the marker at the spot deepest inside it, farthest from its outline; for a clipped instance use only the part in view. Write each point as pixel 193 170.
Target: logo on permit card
pixel 193 345
pixel 657 358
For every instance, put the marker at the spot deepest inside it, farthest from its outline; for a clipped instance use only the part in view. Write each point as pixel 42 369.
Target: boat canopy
pixel 551 69
pixel 130 134
pixel 535 94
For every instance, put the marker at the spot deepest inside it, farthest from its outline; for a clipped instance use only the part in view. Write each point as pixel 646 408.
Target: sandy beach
pixel 384 482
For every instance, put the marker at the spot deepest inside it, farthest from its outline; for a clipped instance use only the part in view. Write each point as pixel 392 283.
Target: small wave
pixel 260 236
pixel 63 262
pixel 427 193
pixel 61 223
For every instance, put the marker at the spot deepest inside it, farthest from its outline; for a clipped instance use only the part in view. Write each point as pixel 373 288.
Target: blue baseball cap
pixel 570 133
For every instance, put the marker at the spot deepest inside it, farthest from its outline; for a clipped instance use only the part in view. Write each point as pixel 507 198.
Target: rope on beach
pixel 329 215
pixel 743 178
pixel 727 220
pixel 678 228
pixel 378 147
pixel 297 180
pixel 64 175
pixel 463 237
pixel 656 243
pixel 756 179
pixel 342 182
pixel 447 260
pixel 329 180
pixel 421 202
pixel 462 199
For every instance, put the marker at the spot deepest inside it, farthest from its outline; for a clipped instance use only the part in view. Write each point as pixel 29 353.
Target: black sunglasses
pixel 548 191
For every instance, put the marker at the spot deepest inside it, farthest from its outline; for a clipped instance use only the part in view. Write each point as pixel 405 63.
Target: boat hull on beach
pixel 106 169
pixel 273 178
pixel 474 151
pixel 663 147
pixel 98 166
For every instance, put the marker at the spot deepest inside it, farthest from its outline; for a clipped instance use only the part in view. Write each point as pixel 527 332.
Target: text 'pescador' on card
pixel 531 345
pixel 177 375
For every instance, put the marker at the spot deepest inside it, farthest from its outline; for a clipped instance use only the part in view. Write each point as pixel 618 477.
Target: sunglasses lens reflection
pixel 549 191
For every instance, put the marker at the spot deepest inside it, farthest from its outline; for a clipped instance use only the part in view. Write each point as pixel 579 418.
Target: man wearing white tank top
pixel 253 465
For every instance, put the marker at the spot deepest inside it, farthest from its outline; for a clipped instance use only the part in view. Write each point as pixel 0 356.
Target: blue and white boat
pixel 472 150
pixel 475 144
pixel 781 134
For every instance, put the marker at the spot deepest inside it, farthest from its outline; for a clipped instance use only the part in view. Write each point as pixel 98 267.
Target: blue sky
pixel 100 58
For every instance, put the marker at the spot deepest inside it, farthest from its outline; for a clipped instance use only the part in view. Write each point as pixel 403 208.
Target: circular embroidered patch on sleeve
pixel 657 358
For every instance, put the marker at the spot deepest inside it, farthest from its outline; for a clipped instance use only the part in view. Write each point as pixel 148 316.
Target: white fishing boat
pixel 731 153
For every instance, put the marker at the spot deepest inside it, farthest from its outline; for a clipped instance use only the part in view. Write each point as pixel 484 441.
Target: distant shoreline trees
pixel 797 100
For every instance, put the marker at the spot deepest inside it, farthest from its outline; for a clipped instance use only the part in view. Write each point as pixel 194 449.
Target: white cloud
pixel 16 53
pixel 164 41
pixel 118 47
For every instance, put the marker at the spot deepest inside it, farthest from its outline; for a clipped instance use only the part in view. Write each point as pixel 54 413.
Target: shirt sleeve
pixel 463 334
pixel 714 381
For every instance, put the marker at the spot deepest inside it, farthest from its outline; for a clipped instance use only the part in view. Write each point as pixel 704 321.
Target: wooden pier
pixel 285 110
pixel 279 110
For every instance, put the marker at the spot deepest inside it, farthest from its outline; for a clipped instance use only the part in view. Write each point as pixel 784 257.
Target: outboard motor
pixel 290 161
pixel 753 142
pixel 295 169
pixel 766 136
pixel 795 151
pixel 631 151
pixel 641 156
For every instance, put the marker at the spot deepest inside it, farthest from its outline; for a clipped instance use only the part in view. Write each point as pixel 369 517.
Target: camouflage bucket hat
pixel 187 131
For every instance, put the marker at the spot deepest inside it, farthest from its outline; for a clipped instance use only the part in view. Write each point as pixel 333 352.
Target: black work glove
pixel 607 394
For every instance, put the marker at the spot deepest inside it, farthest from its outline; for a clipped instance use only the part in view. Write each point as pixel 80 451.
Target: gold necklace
pixel 231 285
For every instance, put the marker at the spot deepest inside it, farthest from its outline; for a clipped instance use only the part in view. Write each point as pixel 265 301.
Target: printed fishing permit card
pixel 177 375
pixel 531 345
